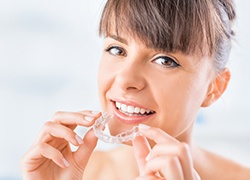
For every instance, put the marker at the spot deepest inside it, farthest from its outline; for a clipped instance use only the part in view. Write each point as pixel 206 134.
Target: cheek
pixel 189 96
pixel 179 103
pixel 101 83
pixel 104 80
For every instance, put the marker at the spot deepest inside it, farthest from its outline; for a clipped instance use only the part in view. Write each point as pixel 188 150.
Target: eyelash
pixel 117 48
pixel 170 62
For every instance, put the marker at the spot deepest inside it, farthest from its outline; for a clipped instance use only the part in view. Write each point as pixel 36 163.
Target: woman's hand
pixel 50 157
pixel 169 158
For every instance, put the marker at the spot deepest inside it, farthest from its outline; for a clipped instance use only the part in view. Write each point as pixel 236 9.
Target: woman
pixel 162 61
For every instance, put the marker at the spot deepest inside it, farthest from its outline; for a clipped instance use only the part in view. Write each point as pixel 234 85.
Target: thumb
pixel 196 175
pixel 141 150
pixel 84 151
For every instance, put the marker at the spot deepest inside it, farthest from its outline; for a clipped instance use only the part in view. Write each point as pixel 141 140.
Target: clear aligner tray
pixel 99 127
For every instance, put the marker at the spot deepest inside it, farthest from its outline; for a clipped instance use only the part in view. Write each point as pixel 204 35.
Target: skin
pixel 133 74
pixel 50 157
pixel 174 93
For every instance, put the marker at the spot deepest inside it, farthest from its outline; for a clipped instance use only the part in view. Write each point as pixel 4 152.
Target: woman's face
pixel 141 85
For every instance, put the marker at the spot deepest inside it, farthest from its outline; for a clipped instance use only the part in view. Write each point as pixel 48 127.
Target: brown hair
pixel 174 25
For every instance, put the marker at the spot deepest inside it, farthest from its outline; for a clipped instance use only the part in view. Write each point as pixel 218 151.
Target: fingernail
pixel 65 162
pixel 88 118
pixel 95 112
pixel 143 127
pixel 79 140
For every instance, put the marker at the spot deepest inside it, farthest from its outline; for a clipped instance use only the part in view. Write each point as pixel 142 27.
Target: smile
pixel 132 111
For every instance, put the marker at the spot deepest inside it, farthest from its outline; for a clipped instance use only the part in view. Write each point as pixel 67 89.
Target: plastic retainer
pixel 99 127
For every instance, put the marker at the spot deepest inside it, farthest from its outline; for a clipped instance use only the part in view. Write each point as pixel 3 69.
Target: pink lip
pixel 129 119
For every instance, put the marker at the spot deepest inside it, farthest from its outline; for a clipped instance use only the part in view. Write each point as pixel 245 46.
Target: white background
pixel 49 53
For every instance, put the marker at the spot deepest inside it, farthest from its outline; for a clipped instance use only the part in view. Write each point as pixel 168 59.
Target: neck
pixel 186 135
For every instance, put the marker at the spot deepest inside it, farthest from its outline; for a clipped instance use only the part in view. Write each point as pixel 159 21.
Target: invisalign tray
pixel 119 138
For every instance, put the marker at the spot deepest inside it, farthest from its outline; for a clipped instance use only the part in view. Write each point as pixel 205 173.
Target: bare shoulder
pixel 214 166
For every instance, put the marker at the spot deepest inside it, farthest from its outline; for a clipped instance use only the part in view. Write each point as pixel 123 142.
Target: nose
pixel 130 77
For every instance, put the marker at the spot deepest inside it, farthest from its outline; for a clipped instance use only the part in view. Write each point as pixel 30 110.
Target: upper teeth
pixel 132 109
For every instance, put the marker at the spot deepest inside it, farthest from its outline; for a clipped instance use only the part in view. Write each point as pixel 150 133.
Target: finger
pixel 141 150
pixel 52 130
pixel 84 151
pixel 37 155
pixel 156 134
pixel 83 118
pixel 196 175
pixel 161 137
pixel 181 150
pixel 168 167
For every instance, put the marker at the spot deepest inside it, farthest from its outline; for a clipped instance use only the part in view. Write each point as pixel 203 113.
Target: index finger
pixel 141 151
pixel 84 118
pixel 156 134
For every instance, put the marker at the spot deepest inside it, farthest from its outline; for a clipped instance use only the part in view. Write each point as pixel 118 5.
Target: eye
pixel 166 61
pixel 116 51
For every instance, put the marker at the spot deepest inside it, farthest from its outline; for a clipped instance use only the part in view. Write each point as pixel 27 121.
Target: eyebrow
pixel 118 38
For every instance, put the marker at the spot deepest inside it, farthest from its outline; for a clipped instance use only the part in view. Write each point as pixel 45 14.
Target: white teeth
pixel 142 111
pixel 132 109
pixel 118 105
pixel 124 108
pixel 136 110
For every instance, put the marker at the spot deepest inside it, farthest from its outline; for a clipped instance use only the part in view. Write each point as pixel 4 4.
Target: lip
pixel 129 119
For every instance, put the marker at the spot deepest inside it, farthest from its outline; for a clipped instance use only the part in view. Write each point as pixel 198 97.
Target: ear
pixel 217 87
